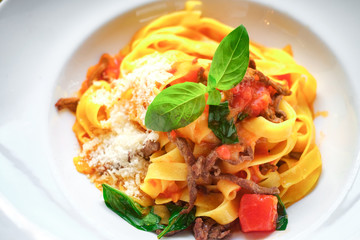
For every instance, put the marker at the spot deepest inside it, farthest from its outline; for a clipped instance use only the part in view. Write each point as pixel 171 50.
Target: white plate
pixel 45 50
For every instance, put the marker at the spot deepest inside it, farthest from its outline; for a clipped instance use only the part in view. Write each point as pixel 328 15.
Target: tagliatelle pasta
pixel 276 145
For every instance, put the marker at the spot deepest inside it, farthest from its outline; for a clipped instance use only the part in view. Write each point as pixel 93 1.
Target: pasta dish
pixel 191 125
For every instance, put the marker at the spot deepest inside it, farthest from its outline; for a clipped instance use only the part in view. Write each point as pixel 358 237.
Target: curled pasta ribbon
pixel 92 112
pixel 160 174
pixel 273 132
pixel 214 205
pixel 225 213
pixel 228 189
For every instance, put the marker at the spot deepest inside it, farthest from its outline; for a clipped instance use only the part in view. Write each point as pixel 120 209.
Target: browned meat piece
pixel 149 148
pixel 208 229
pixel 247 155
pixel 204 167
pixel 273 113
pixel 266 167
pixel 248 184
pixel 252 64
pixel 201 78
pixel 186 152
pixel 67 103
pixel 281 89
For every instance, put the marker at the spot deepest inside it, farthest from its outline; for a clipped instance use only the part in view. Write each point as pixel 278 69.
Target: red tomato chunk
pixel 252 97
pixel 258 213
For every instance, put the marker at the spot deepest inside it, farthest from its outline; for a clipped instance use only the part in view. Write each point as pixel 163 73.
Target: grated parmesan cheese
pixel 117 153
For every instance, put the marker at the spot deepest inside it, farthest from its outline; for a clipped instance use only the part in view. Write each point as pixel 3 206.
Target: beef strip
pixel 266 167
pixel 67 103
pixel 208 229
pixel 248 184
pixel 281 89
pixel 273 113
pixel 204 167
pixel 149 148
pixel 186 152
pixel 201 77
pixel 247 155
pixel 252 63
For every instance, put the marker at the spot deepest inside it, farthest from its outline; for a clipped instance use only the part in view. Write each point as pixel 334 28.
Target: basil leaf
pixel 177 221
pixel 214 97
pixel 130 211
pixel 222 128
pixel 230 61
pixel 282 220
pixel 241 116
pixel 176 107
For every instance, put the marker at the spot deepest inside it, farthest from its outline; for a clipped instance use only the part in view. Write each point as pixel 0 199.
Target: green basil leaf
pixel 130 211
pixel 176 107
pixel 230 61
pixel 222 128
pixel 282 220
pixel 241 116
pixel 214 97
pixel 177 221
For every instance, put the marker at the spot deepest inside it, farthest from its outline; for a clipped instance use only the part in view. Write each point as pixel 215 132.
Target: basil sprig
pixel 144 218
pixel 230 60
pixel 282 220
pixel 181 104
pixel 177 221
pixel 131 211
pixel 176 107
pixel 224 129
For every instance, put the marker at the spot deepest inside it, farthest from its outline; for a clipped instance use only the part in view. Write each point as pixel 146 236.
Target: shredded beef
pixel 248 184
pixel 201 78
pixel 208 229
pixel 273 113
pixel 186 152
pixel 67 103
pixel 266 167
pixel 149 148
pixel 247 155
pixel 204 168
pixel 252 64
pixel 281 89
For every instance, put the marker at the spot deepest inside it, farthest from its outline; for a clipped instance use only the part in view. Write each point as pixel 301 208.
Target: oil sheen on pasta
pixel 173 49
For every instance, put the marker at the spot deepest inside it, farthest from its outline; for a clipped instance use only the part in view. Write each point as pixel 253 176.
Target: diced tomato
pixel 229 151
pixel 173 134
pixel 251 97
pixel 223 152
pixel 258 213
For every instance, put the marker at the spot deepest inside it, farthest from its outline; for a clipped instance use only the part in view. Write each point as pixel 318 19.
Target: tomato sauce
pixel 251 97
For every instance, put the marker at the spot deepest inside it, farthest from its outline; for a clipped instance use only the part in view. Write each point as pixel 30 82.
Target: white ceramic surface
pixel 45 50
